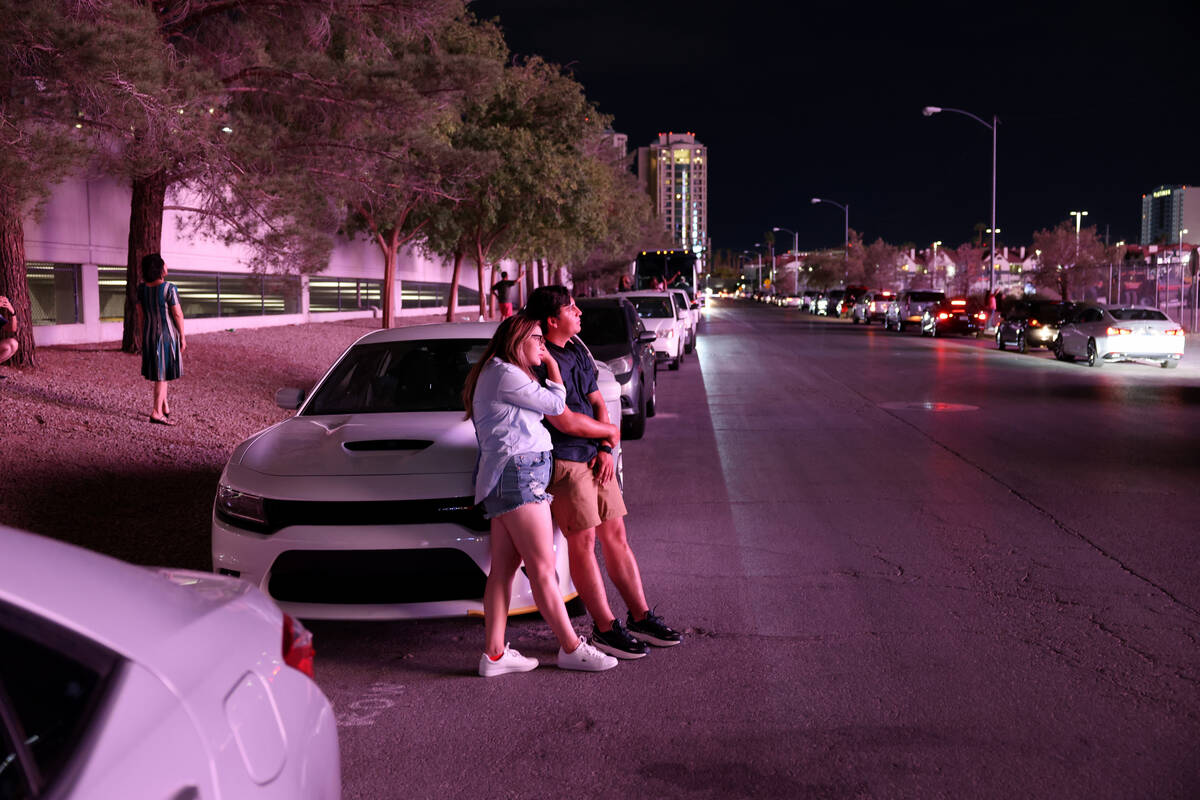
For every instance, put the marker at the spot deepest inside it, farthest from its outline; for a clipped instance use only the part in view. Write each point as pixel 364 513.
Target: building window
pixel 112 293
pixel 344 294
pixel 53 293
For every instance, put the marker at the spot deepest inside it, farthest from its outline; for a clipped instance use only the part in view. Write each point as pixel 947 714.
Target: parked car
pixel 849 298
pixel 1032 324
pixel 659 313
pixel 615 335
pixel 362 505
pixel 1120 333
pixel 910 307
pixel 832 305
pixel 808 300
pixel 119 681
pixel 871 307
pixel 952 316
pixel 789 300
pixel 690 311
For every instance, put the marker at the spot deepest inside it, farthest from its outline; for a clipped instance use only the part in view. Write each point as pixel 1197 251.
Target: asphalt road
pixel 906 568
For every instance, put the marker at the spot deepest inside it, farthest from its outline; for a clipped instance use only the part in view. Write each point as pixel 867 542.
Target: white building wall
pixel 86 222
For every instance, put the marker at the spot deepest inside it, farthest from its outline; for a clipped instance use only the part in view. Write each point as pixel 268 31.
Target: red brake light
pixel 958 302
pixel 943 315
pixel 298 650
pixel 1117 331
pixel 981 315
pixel 1175 332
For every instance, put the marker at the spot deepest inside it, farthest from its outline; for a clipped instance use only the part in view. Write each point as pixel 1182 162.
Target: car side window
pixel 52 682
pixel 1092 315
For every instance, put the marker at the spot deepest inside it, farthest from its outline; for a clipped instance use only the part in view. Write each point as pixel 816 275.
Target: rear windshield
pixel 925 297
pixel 382 377
pixel 1137 314
pixel 603 325
pixel 653 307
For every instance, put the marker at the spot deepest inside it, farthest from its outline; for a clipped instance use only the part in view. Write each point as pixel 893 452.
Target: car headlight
pixel 240 505
pixel 622 368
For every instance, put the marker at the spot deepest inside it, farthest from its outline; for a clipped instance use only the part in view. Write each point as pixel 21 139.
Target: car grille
pixel 284 513
pixel 375 576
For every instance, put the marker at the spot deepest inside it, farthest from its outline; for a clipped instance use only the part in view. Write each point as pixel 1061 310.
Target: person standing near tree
pixel 159 326
pixel 8 330
pixel 501 289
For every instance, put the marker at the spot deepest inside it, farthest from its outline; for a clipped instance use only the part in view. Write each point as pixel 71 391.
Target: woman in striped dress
pixel 163 343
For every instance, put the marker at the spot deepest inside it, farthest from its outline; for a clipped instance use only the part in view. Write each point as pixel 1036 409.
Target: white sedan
pixel 659 313
pixel 118 681
pixel 1102 334
pixel 362 505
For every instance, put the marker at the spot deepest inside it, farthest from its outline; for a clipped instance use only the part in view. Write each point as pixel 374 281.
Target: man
pixel 8 330
pixel 587 500
pixel 501 290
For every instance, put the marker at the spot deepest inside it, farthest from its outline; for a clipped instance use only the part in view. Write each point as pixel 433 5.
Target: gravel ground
pixel 83 464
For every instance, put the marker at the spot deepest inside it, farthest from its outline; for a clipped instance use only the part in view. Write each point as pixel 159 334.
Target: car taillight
pixel 1117 331
pixel 298 650
pixel 1033 323
pixel 872 305
pixel 981 315
pixel 1175 332
pixel 943 315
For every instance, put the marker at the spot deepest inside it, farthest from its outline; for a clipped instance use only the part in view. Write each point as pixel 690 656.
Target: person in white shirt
pixel 507 404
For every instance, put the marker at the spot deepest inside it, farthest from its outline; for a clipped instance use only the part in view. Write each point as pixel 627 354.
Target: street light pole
pixel 846 230
pixel 929 111
pixel 933 265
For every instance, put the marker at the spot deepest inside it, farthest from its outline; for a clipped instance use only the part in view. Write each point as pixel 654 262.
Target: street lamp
pixel 929 111
pixel 1078 215
pixel 795 253
pixel 933 265
pixel 846 209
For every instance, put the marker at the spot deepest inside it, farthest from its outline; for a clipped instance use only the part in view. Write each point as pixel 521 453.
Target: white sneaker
pixel 585 658
pixel 510 661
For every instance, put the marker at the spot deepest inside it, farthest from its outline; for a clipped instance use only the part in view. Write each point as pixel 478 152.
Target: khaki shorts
pixel 580 501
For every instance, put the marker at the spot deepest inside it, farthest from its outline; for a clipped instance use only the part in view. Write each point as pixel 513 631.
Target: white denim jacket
pixel 507 410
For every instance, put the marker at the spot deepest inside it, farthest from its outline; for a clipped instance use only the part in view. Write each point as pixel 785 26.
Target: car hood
pixel 607 352
pixel 365 444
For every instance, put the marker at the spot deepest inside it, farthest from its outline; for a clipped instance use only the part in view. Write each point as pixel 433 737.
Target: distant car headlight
pixel 240 505
pixel 622 368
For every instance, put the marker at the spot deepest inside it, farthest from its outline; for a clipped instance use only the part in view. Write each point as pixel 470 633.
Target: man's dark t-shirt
pixel 501 290
pixel 579 376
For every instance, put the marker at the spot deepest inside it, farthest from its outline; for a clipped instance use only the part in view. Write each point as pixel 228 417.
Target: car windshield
pixel 1137 314
pixel 603 325
pixel 925 297
pixel 383 377
pixel 653 307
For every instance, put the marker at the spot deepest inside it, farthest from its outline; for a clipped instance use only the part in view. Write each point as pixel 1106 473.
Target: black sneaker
pixel 652 630
pixel 617 642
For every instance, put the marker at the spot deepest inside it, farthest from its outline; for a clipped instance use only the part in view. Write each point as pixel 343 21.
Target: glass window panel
pixel 197 293
pixel 322 294
pixel 53 293
pixel 281 294
pixel 112 293
pixel 241 295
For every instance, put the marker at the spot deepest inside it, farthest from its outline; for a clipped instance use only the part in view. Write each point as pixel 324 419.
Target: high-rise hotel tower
pixel 675 172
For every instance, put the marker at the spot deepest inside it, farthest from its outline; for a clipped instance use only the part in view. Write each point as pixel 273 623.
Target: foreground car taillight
pixel 981 315
pixel 1175 332
pixel 1117 332
pixel 943 315
pixel 298 650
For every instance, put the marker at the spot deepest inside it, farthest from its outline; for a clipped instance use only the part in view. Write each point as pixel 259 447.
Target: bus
pixel 676 267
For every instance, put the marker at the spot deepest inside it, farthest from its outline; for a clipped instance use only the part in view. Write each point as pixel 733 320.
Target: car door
pixel 1076 334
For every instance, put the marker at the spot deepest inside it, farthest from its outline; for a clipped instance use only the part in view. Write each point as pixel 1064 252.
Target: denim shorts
pixel 523 481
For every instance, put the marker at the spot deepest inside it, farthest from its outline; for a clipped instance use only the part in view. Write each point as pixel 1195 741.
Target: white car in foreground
pixel 1120 333
pixel 660 314
pixel 118 681
pixel 362 505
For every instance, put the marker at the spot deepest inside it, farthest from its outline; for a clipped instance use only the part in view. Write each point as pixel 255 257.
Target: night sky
pixel 796 100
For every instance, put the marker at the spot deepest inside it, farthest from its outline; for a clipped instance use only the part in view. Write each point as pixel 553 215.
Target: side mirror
pixel 290 398
pixel 645 337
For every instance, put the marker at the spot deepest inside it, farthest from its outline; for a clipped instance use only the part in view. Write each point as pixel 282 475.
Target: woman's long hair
pixel 506 346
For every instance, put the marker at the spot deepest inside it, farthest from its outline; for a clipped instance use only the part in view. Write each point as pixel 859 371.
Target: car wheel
pixel 634 425
pixel 1170 363
pixel 690 345
pixel 652 401
pixel 999 340
pixel 1022 344
pixel 1093 358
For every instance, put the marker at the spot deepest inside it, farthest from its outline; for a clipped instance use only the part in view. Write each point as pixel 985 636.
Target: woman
pixel 507 404
pixel 162 345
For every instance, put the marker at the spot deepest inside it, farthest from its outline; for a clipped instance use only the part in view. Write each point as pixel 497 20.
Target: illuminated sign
pixel 1163 193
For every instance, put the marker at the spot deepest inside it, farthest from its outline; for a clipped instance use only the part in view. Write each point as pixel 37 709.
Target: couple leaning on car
pixel 529 473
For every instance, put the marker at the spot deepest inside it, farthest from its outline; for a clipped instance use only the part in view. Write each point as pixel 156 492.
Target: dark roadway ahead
pixel 883 598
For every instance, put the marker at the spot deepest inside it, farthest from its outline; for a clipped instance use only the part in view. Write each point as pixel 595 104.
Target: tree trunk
pixel 452 300
pixel 14 284
pixel 530 279
pixel 389 285
pixel 484 294
pixel 145 237
pixel 541 266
